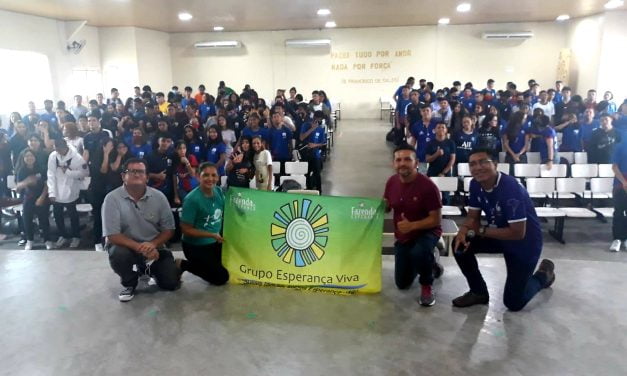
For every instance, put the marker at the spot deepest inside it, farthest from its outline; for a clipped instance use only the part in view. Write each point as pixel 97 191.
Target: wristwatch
pixel 482 230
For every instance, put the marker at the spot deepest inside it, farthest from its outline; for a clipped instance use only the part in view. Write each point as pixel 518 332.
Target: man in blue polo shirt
pixel 281 141
pixel 49 116
pixel 253 129
pixel 397 94
pixel 423 131
pixel 512 229
pixel 316 139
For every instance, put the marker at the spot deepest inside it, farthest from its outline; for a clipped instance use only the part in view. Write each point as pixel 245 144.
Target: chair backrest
pixel 527 170
pixel 463 169
pixel 300 179
pixel 467 184
pixel 556 171
pixel 581 157
pixel 503 167
pixel 601 185
pixel 540 185
pixel 305 192
pixel 584 170
pixel 605 171
pixel 223 181
pixel 276 168
pixel 570 185
pixel 568 155
pixel 533 157
pixel 296 168
pixel 502 155
pixel 445 183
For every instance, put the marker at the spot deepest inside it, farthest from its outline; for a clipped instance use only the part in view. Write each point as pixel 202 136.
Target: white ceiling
pixel 249 15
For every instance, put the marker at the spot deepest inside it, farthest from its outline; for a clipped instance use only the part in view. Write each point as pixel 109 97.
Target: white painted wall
pixel 584 40
pixel 612 71
pixel 119 60
pixel 154 63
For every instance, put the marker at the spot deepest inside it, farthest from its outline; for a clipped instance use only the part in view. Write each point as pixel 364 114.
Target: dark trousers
pixel 510 160
pixel 281 172
pixel 205 261
pixel 59 219
pixel 521 284
pixel 414 258
pixel 163 270
pixel 97 199
pixel 619 222
pixel 314 180
pixel 29 212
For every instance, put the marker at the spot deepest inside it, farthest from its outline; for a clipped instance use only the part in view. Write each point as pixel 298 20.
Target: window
pixel 25 76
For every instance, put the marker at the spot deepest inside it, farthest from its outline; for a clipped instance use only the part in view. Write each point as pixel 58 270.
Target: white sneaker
pixel 61 242
pixel 49 245
pixel 28 246
pixel 75 242
pixel 99 248
pixel 615 247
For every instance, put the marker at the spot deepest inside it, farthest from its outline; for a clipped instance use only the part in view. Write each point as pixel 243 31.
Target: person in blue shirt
pixel 619 220
pixel 316 139
pixel 253 129
pixel 548 144
pixel 215 149
pixel 559 85
pixel 193 142
pixel 440 152
pixel 465 140
pixel 187 97
pixel 571 135
pixel 515 140
pixel 607 105
pixel 489 89
pixel 281 141
pixel 401 108
pixel 138 146
pixel 397 94
pixel 423 132
pixel 586 126
pixel 620 120
pixel 207 108
pixel 468 100
pixel 49 116
pixel 512 229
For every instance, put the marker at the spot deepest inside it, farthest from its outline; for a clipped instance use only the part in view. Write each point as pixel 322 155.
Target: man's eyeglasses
pixel 482 163
pixel 135 172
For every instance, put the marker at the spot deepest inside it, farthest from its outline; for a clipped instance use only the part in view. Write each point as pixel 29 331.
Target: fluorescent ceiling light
pixel 219 44
pixel 330 24
pixel 463 7
pixel 218 28
pixel 184 16
pixel 562 17
pixel 444 21
pixel 304 43
pixel 612 4
pixel 323 12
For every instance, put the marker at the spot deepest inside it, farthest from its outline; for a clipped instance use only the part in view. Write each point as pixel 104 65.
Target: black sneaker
pixel 470 299
pixel 127 294
pixel 438 270
pixel 548 268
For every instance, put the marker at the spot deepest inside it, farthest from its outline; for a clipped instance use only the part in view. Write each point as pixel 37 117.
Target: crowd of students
pixel 64 156
pixel 447 124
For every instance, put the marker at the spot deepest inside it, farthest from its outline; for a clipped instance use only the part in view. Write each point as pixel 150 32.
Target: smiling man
pixel 512 229
pixel 416 202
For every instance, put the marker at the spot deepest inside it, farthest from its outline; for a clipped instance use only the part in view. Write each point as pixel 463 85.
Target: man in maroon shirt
pixel 417 211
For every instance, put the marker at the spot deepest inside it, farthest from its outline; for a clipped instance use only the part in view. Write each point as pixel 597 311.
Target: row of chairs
pixel 534 157
pixel 533 170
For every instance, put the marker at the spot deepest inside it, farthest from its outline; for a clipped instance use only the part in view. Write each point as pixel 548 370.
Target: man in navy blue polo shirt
pixel 281 141
pixel 513 230
pixel 316 139
pixel 423 131
pixel 49 116
pixel 397 94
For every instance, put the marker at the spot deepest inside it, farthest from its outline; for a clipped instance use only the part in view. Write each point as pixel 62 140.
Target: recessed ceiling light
pixel 184 16
pixel 612 4
pixel 330 24
pixel 463 7
pixel 562 17
pixel 444 21
pixel 323 12
pixel 218 28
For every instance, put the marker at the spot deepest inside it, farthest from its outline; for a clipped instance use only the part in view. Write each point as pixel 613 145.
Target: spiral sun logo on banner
pixel 299 237
pixel 315 243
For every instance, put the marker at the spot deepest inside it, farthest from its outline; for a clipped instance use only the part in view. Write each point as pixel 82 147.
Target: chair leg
pixel 558 230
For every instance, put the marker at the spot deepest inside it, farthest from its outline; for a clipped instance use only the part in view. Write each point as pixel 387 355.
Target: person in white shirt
pixel 66 171
pixel 547 106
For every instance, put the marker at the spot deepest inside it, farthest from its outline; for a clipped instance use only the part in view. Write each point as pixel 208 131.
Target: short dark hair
pixel 457 83
pixel 315 92
pixel 490 81
pixel 159 94
pixel 131 161
pixel 189 88
pixel 146 88
pixel 113 90
pixel 206 165
pixel 567 88
pixel 489 152
pixel 404 146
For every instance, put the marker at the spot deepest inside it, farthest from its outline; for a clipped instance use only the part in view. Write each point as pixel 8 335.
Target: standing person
pixel 263 164
pixel 415 200
pixel 201 224
pixel 66 169
pixel 586 126
pixel 185 165
pixel 73 138
pixel 489 135
pixel 571 137
pixel 316 139
pixel 512 229
pixel 228 135
pixel 161 168
pixel 215 149
pixel 422 132
pixel 240 167
pixel 548 146
pixel 465 140
pixel 281 141
pixel 440 152
pixel 31 183
pixel 619 220
pixel 137 224
pixel 603 141
pixel 117 159
pixel 515 139
pixel 193 142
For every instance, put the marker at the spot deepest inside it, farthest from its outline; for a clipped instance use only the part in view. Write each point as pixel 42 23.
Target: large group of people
pixel 444 126
pixel 67 156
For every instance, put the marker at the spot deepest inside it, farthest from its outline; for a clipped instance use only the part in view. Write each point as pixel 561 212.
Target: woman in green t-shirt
pixel 201 224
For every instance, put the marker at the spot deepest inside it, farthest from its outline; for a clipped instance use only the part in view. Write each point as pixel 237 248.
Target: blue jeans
pixel 521 284
pixel 413 258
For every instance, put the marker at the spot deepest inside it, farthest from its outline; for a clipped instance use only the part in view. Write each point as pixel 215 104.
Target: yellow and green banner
pixel 303 241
